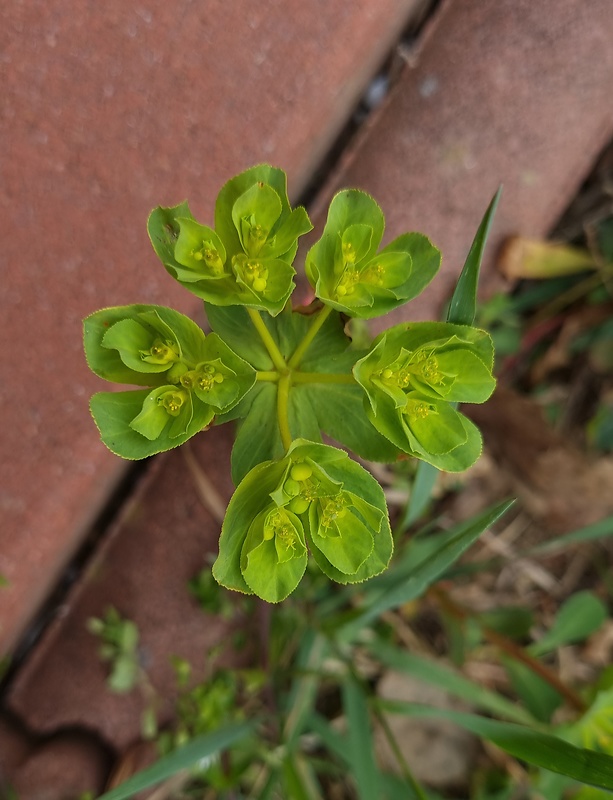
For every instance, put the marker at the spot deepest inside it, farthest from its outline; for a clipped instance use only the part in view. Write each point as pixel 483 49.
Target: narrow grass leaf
pixel 329 737
pixel 302 696
pixel 463 305
pixel 599 530
pixel 430 671
pixel 425 478
pixel 409 586
pixel 300 780
pixel 361 748
pixel 582 614
pixel 202 747
pixel 536 694
pixel 526 744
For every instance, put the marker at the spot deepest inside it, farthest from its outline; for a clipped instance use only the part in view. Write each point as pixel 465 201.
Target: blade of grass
pixel 582 614
pixel 526 744
pixel 599 530
pixel 202 747
pixel 361 749
pixel 425 478
pixel 330 738
pixel 300 780
pixel 463 305
pixel 304 689
pixel 430 671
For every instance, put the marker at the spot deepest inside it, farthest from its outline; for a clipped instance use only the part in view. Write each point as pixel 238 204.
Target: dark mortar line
pixel 52 606
pixel 388 73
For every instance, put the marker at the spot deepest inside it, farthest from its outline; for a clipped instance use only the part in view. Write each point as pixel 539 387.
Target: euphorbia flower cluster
pixel 287 376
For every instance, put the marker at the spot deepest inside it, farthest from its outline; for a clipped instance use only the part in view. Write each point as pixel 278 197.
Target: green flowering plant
pixel 288 376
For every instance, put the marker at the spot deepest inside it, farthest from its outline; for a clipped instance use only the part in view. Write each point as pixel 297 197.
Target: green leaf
pixel 287 233
pixel 250 499
pixel 461 457
pixel 529 745
pixel 303 694
pixel 124 675
pixel 512 621
pixel 590 533
pixel 300 779
pixel 388 420
pixel 425 260
pixel 257 438
pixel 421 494
pixel 274 555
pixel 114 412
pixel 360 484
pixel 539 697
pixel 201 250
pixel 582 614
pixel 163 229
pixel 339 409
pixel 361 744
pixel 404 587
pixel 463 305
pixel 202 747
pixel 345 541
pixel 233 325
pixel 254 214
pixel 102 338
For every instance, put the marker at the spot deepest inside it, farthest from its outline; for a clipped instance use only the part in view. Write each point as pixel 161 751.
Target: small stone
pixel 64 767
pixel 439 753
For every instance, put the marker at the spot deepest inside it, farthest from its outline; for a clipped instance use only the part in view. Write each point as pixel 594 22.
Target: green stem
pixel 282 409
pixel 269 342
pixel 321 377
pixel 267 376
pixel 400 759
pixel 312 332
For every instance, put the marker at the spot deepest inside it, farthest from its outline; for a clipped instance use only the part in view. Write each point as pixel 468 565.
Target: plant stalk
pixel 269 342
pixel 283 408
pixel 310 335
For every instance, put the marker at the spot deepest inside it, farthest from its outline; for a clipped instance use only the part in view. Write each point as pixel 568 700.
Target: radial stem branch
pixel 312 332
pixel 283 409
pixel 269 342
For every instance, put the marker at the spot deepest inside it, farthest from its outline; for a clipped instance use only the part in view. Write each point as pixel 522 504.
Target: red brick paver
pixel 108 110
pixel 166 534
pixel 505 91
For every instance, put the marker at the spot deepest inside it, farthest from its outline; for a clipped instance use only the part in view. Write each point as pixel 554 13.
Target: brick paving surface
pixel 167 533
pixel 511 92
pixel 507 91
pixel 107 112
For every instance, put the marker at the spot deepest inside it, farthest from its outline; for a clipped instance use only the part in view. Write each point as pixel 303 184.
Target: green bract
pixel 413 376
pixel 314 496
pixel 290 376
pixel 194 377
pixel 349 273
pixel 247 259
